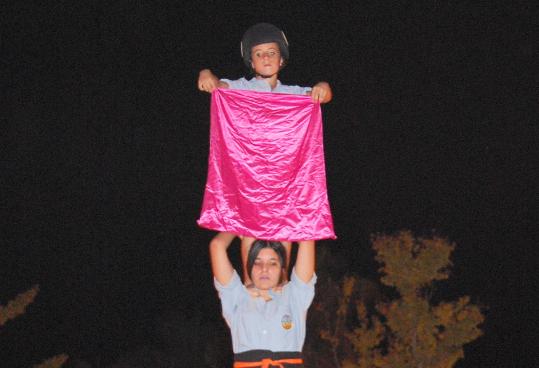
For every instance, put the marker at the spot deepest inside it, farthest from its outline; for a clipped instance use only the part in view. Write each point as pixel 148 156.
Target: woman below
pixel 267 327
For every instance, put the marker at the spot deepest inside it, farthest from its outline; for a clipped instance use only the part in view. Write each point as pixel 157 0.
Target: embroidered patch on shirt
pixel 286 322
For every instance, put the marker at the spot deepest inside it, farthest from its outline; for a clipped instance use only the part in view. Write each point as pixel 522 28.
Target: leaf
pixel 54 362
pixel 17 306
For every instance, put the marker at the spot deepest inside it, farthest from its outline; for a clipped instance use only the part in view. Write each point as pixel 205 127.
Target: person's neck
pixel 271 80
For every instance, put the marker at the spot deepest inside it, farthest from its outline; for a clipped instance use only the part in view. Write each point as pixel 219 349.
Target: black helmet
pixel 262 33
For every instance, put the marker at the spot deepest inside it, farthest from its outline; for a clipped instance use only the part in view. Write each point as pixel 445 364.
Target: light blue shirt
pixel 260 85
pixel 276 325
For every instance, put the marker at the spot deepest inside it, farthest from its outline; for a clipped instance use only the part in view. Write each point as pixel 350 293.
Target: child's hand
pixel 279 288
pixel 252 290
pixel 321 92
pixel 208 82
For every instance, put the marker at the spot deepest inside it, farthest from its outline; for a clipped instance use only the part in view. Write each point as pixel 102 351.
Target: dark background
pixel 105 142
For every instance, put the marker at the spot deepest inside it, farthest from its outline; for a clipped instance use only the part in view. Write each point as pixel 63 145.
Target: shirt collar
pixel 266 84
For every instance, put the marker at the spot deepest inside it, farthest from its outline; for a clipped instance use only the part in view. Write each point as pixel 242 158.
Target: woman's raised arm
pixel 305 260
pixel 220 264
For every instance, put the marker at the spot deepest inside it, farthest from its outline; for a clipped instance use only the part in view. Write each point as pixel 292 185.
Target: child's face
pixel 267 269
pixel 266 59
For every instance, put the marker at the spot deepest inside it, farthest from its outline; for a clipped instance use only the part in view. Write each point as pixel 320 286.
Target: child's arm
pixel 305 260
pixel 220 263
pixel 208 82
pixel 321 92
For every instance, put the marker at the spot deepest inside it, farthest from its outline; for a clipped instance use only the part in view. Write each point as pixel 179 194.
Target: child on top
pixel 264 49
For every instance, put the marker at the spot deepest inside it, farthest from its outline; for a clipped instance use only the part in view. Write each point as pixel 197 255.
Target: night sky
pixel 105 145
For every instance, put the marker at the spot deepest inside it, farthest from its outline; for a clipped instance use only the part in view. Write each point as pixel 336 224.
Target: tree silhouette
pixel 407 331
pixel 18 306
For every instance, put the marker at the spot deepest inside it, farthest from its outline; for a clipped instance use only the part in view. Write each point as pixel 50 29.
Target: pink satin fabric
pixel 266 170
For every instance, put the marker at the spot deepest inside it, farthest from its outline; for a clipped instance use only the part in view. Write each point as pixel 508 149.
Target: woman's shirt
pixel 260 85
pixel 276 325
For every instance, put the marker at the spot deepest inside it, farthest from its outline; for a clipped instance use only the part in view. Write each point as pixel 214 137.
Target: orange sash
pixel 266 363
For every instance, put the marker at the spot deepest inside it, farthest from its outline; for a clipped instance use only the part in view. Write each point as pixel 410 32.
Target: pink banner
pixel 266 170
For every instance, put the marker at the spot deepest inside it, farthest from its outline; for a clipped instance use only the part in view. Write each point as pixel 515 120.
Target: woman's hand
pixel 208 82
pixel 321 92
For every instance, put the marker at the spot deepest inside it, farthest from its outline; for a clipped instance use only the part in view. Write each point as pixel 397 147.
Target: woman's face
pixel 267 269
pixel 266 59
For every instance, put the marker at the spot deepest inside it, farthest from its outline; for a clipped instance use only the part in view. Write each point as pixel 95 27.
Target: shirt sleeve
pixel 302 293
pixel 230 295
pixel 236 84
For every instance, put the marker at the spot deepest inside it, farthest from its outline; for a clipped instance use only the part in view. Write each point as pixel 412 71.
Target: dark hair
pixel 258 245
pixel 263 33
